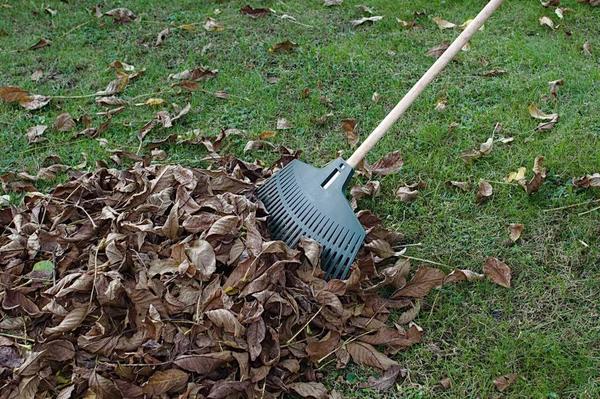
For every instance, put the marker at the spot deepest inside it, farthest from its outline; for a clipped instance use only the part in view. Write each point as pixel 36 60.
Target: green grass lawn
pixel 546 327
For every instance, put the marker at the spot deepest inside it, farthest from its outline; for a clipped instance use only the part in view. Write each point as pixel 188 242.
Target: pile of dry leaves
pixel 161 281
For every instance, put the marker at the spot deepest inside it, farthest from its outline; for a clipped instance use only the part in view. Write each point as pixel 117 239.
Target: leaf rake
pixel 306 201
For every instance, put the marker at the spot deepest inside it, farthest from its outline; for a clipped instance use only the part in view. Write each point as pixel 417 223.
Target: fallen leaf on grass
pixel 361 21
pixel 12 93
pixel 349 128
pixel 267 135
pixel 364 8
pixel 560 12
pixel 406 24
pixel 212 24
pixel 255 12
pixel 516 176
pixel 544 126
pixel 443 24
pixel 588 181
pixel 424 280
pixel 497 272
pixel 187 85
pixel 463 275
pixel 587 48
pixel 153 101
pixel 546 21
pixel 550 3
pixel 283 124
pixel 121 65
pixel 322 120
pixel 503 382
pixel 332 2
pixel 64 122
pixel 162 35
pixel 372 189
pixel 461 185
pixel 376 96
pixel 195 74
pixel 484 192
pixel 515 231
pixel 366 355
pixel 121 15
pixel 553 86
pixel 112 101
pixel 590 2
pixel 386 381
pixel 257 145
pixel 538 178
pixel 437 50
pixel 405 194
pixel 37 75
pixel 43 42
pixel 314 390
pixel 115 86
pixel 475 153
pixel 283 47
pixel 34 102
pixel 34 134
pixel 441 105
pixel 446 383
pixel 390 163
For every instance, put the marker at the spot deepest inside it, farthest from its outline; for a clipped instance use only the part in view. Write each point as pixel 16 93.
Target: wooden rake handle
pixel 418 88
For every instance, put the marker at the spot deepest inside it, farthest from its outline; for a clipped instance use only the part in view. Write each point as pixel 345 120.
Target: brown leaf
pixel 484 149
pixel 443 24
pixel 538 178
pixel 34 134
pixel 424 280
pixel 162 36
pixel 12 93
pixel 349 126
pixel 332 2
pixel 212 24
pixel 319 349
pixel 283 47
pixel 70 322
pixel 225 319
pixel 121 15
pixel 162 382
pixel 366 355
pixel 195 74
pixel 255 12
pixel 102 387
pixel 361 21
pixel 64 122
pixel 391 163
pixel 484 192
pixel 587 48
pixel 553 3
pixel 437 50
pixel 588 181
pixel 553 86
pixel 110 101
pixel 204 364
pixel 187 85
pixel 515 230
pixel 546 21
pixel 497 272
pixel 503 382
pixel 446 383
pixel 171 226
pixel 282 124
pixel 386 381
pixel 34 102
pixel 43 42
pixel 405 194
pixel 116 86
pixel 536 113
pixel 314 390
pixel 202 255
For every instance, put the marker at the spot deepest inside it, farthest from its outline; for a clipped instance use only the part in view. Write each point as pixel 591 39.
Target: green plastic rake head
pixel 305 201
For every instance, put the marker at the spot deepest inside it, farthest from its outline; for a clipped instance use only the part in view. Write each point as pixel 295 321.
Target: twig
pixel 572 206
pixel 16 337
pixel 303 327
pixel 75 28
pixel 427 261
pixel 433 306
pixel 590 211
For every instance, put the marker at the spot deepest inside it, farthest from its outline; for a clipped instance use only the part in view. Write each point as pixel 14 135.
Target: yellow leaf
pixel 155 101
pixel 442 23
pixel 188 27
pixel 466 23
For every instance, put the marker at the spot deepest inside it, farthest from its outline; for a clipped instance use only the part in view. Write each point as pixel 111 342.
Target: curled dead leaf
pixel 283 47
pixel 515 230
pixel 442 23
pixel 437 50
pixel 505 381
pixel 484 192
pixel 349 128
pixel 255 12
pixel 361 21
pixel 497 272
pixel 43 42
pixel 121 15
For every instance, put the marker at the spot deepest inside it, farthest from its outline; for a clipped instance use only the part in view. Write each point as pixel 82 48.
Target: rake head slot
pixel 306 201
